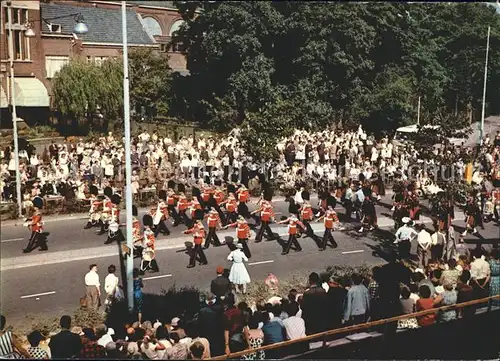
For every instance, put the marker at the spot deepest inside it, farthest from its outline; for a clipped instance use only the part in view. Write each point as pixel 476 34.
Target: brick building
pixel 37 59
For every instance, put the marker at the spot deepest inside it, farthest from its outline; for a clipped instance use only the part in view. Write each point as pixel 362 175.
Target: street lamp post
pixel 28 33
pixel 128 162
pixel 481 130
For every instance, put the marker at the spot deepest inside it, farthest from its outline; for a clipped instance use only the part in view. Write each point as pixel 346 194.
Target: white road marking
pixel 155 277
pixel 11 240
pixel 39 294
pixel 261 262
pixel 357 251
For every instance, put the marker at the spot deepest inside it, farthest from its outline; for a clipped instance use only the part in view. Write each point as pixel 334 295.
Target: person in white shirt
pixel 480 273
pixel 110 285
pixel 404 237
pixel 93 288
pixel 423 248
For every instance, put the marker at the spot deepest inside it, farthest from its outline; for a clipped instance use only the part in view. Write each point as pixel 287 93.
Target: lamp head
pixel 80 27
pixel 29 33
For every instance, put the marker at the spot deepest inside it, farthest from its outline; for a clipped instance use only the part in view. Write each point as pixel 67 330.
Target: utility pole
pixel 128 162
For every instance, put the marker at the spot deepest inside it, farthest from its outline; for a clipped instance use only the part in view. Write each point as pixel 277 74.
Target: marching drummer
pixel 198 232
pixel 114 232
pixel 160 215
pixel 231 206
pixel 330 219
pixel 95 205
pixel 106 210
pixel 35 223
pixel 182 206
pixel 148 262
pixel 473 216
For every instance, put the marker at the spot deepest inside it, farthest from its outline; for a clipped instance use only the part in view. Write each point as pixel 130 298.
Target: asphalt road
pixel 54 284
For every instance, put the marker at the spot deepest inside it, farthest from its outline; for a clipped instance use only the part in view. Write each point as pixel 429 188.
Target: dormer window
pixel 55 28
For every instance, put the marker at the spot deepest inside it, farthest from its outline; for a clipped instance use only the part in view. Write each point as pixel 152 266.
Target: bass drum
pixel 148 254
pixel 113 227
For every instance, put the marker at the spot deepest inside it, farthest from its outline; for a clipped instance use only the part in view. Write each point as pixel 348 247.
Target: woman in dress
pixel 138 300
pixel 494 277
pixel 239 275
pixel 10 346
pixel 449 298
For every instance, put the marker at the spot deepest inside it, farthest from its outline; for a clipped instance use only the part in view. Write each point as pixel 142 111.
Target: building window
pixel 53 64
pixel 99 60
pixel 178 47
pixel 20 41
pixel 152 26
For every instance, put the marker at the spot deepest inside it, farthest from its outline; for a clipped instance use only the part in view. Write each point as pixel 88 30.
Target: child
pixel 35 351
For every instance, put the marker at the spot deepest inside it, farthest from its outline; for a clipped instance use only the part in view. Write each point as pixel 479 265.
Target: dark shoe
pixel 88 226
pixel 43 249
pixel 26 250
pixel 190 266
pixel 298 250
pixel 108 241
pixel 258 241
pixel 203 263
pixel 284 253
pixel 322 249
pixel 101 232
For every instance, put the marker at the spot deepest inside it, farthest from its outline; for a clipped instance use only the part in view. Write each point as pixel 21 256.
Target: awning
pixel 4 102
pixel 30 92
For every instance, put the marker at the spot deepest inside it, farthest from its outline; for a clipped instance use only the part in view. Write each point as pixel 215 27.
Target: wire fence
pixel 322 336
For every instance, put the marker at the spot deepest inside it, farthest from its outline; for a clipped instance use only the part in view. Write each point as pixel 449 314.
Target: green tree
pixel 150 81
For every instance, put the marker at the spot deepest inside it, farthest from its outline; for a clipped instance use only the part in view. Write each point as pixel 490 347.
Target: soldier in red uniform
pixel 243 196
pixel 242 234
pixel 213 222
pixel 35 223
pixel 171 201
pixel 306 216
pixel 198 231
pixel 205 196
pixel 330 218
pixel 293 224
pixel 183 205
pixel 95 206
pixel 266 217
pixel 231 206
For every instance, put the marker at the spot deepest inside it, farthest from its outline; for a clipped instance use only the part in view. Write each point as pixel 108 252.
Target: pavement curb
pixel 162 244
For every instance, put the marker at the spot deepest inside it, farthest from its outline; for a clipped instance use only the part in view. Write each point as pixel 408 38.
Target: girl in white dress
pixel 238 275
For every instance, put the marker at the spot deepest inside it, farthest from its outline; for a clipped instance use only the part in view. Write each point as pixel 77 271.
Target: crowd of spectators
pixel 222 325
pixel 331 155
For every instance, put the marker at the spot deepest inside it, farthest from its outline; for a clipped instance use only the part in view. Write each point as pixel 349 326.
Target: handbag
pixel 119 294
pixel 83 302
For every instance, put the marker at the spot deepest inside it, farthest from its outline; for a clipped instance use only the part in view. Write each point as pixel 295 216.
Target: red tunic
pixel 36 223
pixel 243 196
pixel 266 213
pixel 292 227
pixel 183 204
pixel 213 220
pixel 231 206
pixel 306 213
pixel 198 232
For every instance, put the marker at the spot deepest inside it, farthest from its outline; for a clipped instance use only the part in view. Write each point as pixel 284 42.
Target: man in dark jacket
pixel 220 286
pixel 211 325
pixel 66 344
pixel 314 306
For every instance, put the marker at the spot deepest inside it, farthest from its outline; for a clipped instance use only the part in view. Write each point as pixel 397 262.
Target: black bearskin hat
pixel 93 190
pixel 367 192
pixel 116 199
pixel 195 191
pixel 134 211
pixel 162 195
pixel 399 197
pixel 147 220
pixel 268 194
pixel 108 192
pixel 38 202
pixel 306 196
pixel 171 184
pixel 230 188
pixel 181 188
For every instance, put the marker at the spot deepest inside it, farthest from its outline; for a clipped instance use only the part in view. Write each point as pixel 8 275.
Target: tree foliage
pixel 336 62
pixel 82 88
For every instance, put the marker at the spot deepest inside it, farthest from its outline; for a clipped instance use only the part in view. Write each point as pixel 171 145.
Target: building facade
pixel 37 59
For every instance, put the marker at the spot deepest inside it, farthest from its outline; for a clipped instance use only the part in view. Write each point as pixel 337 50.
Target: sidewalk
pixel 162 244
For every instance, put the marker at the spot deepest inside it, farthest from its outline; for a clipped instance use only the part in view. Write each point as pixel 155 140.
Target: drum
pixel 105 217
pixel 489 207
pixel 148 254
pixel 94 217
pixel 113 227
